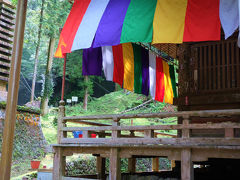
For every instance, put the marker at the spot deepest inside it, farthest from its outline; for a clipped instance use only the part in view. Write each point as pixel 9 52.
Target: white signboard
pixel 69 101
pixel 74 99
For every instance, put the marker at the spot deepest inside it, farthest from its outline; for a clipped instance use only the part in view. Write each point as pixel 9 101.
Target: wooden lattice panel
pixel 7 20
pixel 170 49
pixel 217 66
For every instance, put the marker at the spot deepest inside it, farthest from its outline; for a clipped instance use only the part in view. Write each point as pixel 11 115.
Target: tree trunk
pixel 45 98
pixel 85 101
pixel 37 52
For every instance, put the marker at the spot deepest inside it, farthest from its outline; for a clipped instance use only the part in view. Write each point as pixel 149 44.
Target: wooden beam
pixel 115 164
pixel 186 165
pixel 157 127
pixel 10 119
pixel 157 141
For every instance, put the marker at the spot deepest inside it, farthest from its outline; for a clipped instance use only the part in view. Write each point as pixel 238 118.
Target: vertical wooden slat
pixel 205 69
pixel 214 67
pixel 223 66
pixel 228 83
pixel 238 67
pixel 209 68
pixel 201 68
pixel 233 65
pixel 10 118
pixel 219 65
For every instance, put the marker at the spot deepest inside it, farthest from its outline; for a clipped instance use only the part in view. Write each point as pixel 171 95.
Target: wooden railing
pixel 114 133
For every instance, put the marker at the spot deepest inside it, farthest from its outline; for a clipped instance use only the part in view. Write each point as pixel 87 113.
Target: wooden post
pixel 115 164
pixel 132 161
pixel 229 133
pixel 61 123
pixel 155 164
pixel 187 171
pixel 155 161
pixel 131 165
pixel 116 134
pixel 64 76
pixel 10 118
pixel 185 132
pixel 101 164
pixel 59 164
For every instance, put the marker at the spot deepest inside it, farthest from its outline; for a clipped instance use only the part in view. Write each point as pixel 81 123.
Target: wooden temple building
pixel 208 119
pixel 7 18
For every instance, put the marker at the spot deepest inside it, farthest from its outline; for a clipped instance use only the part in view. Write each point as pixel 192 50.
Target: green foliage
pixel 22 108
pixel 47 89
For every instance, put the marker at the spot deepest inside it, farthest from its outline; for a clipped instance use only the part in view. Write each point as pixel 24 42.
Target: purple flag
pixel 145 71
pixel 92 62
pixel 110 27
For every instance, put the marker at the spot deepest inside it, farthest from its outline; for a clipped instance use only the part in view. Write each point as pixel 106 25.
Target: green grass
pixel 113 103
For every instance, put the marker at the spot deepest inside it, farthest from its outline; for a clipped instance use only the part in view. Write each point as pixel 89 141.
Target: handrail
pixel 205 113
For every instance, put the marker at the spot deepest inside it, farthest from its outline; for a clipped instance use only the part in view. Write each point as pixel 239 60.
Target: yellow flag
pixel 168 96
pixel 128 60
pixel 169 20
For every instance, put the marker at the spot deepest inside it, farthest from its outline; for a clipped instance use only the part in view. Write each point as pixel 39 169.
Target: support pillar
pixel 12 97
pixel 131 165
pixel 101 167
pixel 155 164
pixel 59 164
pixel 187 171
pixel 115 165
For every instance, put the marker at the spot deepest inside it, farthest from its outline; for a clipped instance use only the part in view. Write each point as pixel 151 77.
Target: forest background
pixel 45 18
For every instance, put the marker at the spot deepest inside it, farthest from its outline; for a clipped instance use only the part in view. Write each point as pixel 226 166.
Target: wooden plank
pixel 10 118
pixel 115 164
pixel 205 113
pixel 4 58
pixel 6 38
pixel 89 123
pixel 187 171
pixel 157 127
pixel 4 79
pixel 160 141
pixel 7 33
